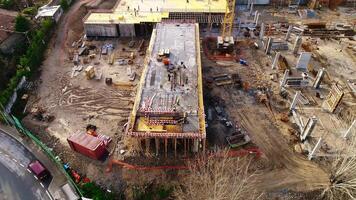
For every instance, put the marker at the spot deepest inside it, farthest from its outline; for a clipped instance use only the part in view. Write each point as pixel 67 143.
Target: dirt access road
pixel 76 102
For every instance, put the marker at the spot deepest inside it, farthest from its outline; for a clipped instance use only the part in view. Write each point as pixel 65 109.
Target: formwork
pixel 169 104
pixel 152 11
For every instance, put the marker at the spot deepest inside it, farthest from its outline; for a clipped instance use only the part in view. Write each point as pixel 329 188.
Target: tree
pixel 22 24
pixel 343 174
pixel 6 3
pixel 64 4
pixel 217 178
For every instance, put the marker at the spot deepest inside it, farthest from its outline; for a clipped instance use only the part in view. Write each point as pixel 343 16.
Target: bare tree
pixel 218 178
pixel 343 174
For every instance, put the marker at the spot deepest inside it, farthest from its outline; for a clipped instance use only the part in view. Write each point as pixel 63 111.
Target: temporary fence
pixel 14 122
pixel 230 153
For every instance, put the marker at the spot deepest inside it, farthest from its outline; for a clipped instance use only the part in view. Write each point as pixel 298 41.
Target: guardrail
pixel 15 122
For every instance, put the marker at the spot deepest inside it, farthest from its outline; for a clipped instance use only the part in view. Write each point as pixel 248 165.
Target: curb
pixel 14 133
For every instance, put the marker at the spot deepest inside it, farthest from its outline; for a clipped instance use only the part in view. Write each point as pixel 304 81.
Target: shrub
pixel 64 4
pixel 31 60
pixel 93 191
pixel 7 3
pixel 30 11
pixel 22 24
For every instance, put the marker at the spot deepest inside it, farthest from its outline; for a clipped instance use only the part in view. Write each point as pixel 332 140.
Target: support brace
pixel 347 133
pixel 315 149
pixel 308 128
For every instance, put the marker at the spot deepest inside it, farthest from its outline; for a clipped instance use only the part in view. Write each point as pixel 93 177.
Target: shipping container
pixel 87 145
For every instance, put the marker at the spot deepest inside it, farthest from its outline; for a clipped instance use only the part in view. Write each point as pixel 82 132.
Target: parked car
pixel 38 169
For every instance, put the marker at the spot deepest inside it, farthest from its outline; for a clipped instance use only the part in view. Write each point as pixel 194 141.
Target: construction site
pixel 131 92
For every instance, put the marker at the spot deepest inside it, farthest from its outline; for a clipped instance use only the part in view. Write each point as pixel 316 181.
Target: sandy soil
pixel 75 102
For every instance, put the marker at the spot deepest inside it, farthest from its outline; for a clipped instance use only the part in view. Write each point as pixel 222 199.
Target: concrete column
pixel 303 61
pixel 251 8
pixel 308 128
pixel 289 32
pixel 157 145
pixel 297 44
pixel 295 101
pixel 195 146
pixel 204 143
pixel 269 45
pixel 275 61
pixel 175 146
pixel 318 79
pixel 257 18
pixel 262 31
pixel 147 144
pixel 256 13
pixel 347 133
pixel 315 149
pixel 285 76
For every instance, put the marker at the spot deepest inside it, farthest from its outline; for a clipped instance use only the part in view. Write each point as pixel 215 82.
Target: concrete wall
pixel 127 30
pixel 102 30
pixel 58 15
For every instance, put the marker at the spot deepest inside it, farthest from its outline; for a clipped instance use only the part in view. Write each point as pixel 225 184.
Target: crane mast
pixel 225 42
pixel 228 18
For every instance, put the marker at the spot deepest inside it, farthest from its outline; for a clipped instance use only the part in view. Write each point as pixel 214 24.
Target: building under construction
pixel 137 17
pixel 169 109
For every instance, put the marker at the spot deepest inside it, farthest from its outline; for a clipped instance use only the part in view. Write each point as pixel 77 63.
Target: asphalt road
pixel 16 181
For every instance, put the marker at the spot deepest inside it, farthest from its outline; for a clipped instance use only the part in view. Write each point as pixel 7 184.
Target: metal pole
pixel 347 133
pixel 316 148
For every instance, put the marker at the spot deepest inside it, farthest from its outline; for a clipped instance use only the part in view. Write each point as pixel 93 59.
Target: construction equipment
pixel 90 72
pixel 225 42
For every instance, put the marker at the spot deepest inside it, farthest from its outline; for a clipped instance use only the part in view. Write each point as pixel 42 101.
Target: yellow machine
pixel 228 19
pixel 226 41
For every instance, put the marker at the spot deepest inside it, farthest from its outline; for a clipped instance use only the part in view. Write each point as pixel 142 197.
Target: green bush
pixel 64 4
pixel 7 3
pixel 30 11
pixel 6 94
pixel 22 24
pixel 34 54
pixel 31 60
pixel 93 191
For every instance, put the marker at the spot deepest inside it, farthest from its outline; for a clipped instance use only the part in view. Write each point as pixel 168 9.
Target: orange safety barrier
pixel 243 152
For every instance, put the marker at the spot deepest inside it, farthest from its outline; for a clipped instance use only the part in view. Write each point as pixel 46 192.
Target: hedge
pixel 31 60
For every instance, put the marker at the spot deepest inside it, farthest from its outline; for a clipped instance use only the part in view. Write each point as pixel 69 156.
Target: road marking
pixel 48 195
pixel 14 160
pixel 35 177
pixel 29 171
pixel 6 155
pixel 22 165
pixel 42 184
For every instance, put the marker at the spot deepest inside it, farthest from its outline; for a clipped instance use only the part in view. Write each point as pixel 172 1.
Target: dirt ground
pixel 7 23
pixel 76 102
